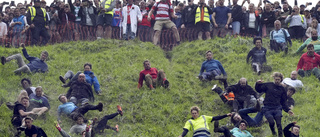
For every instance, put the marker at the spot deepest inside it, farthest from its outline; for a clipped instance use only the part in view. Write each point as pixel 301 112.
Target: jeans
pixel 235 27
pixel 210 75
pixel 38 31
pixel 102 124
pixel 314 71
pixel 129 34
pixel 251 121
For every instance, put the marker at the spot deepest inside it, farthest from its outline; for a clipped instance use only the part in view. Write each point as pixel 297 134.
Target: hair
pixel 87 64
pixel 277 74
pixel 310 45
pixel 61 96
pixel 24 97
pixel 243 121
pixel 292 89
pixel 28 118
pixel 296 126
pixel 145 61
pixel 232 120
pixel 45 52
pixel 25 79
pixel 209 51
pixel 196 108
pixel 256 38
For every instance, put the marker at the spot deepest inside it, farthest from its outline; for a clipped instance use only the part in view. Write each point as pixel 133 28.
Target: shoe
pixel 166 83
pixel 21 128
pixel 120 110
pixel 117 128
pixel 56 124
pixel 62 79
pixel 217 89
pixel 100 106
pixel 10 106
pixel 3 60
pixel 286 50
pixel 259 72
pixel 301 73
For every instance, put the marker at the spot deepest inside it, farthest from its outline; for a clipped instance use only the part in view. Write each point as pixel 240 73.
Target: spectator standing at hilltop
pixel 251 21
pixel 268 17
pixel 202 19
pixel 221 19
pixel 131 16
pixel 104 29
pixel 297 24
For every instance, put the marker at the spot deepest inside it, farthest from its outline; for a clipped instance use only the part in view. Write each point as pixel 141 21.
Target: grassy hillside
pixel 162 112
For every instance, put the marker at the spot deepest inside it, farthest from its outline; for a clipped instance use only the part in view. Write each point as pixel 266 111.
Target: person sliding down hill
pixel 199 124
pixel 152 77
pixel 214 69
pixel 258 56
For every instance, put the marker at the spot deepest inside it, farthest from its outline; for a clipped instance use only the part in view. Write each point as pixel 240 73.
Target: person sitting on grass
pixel 32 130
pixel 35 65
pixel 38 103
pixel 292 81
pixel 315 40
pixel 309 63
pixel 226 98
pixel 214 70
pixel 295 130
pixel 90 129
pixel 199 125
pixel 152 77
pixel 90 78
pixel 258 56
pixel 71 110
pixel 80 91
pixel 239 131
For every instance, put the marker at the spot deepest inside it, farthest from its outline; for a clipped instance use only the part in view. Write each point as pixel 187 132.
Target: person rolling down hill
pixel 199 125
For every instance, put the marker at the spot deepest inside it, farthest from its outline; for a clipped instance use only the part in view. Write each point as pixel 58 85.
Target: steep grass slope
pixel 162 112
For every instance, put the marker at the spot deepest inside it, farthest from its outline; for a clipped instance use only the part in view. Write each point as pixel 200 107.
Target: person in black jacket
pixel 38 21
pixel 257 55
pixel 188 16
pixel 268 17
pixel 237 15
pixel 88 24
pixel 275 101
pixel 242 92
pixel 80 91
pixel 295 130
pixel 251 25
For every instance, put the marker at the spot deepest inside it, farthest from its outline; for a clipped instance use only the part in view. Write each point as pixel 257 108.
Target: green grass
pixel 162 112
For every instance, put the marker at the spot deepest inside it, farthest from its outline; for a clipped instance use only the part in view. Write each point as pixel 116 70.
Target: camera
pixel 309 3
pixel 5 3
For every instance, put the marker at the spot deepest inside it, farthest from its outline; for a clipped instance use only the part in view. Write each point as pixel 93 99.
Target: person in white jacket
pixel 131 15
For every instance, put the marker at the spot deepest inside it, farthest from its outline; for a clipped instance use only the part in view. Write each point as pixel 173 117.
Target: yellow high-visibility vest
pixel 32 11
pixel 206 15
pixel 302 20
pixel 107 5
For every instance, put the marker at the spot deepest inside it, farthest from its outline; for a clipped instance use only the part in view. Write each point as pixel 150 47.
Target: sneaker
pixel 62 79
pixel 100 106
pixel 217 89
pixel 3 60
pixel 117 128
pixel 21 128
pixel 166 83
pixel 120 110
pixel 286 50
pixel 56 124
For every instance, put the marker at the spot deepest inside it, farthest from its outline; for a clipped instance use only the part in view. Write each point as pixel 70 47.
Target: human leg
pixel 236 28
pixel 301 72
pixel 45 36
pixel 149 82
pixel 102 124
pixel 39 111
pixel 223 129
pixel 257 67
pixel 99 32
pixel 162 80
pixel 235 105
pixel 73 100
pixel 61 131
pixel 316 72
pixel 17 57
pixel 35 35
pixel 84 109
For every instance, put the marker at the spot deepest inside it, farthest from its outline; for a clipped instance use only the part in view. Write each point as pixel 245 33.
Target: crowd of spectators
pixel 39 23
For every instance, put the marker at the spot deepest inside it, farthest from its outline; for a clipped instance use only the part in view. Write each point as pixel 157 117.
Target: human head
pixel 142 4
pixel 221 2
pixel 310 50
pixel 260 10
pixel 16 12
pixel 62 98
pixel 294 75
pixel 209 55
pixel 78 2
pixel 243 125
pixel 295 130
pixel 243 82
pixel 302 7
pixel 82 77
pixel 79 120
pixel 195 112
pixel 285 6
pixel 39 91
pixel 314 24
pixel 43 4
pixel 22 11
pixel 314 35
pixel 210 2
pixel 277 25
pixel 7 10
pixel 267 7
pixel 276 4
pixel 296 10
pixel 235 118
pixel 28 122
pixel 277 77
pixel 87 67
pixel 251 7
pixel 258 42
pixel 66 8
pixel 291 91
pixel 130 1
pixel 25 101
pixel 37 3
pixel 25 82
pixel 235 2
pixel 44 55
pixel 147 64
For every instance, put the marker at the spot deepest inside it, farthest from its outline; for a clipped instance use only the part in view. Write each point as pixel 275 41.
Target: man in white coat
pixel 131 15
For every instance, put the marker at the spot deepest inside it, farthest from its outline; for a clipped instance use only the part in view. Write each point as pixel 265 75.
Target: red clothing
pixel 163 10
pixel 145 21
pixel 128 18
pixel 153 72
pixel 308 63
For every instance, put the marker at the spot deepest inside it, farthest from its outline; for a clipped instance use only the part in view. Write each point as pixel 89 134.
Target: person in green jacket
pixel 315 40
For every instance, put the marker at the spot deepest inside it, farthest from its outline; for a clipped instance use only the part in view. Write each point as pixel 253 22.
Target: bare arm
pixel 149 15
pixel 22 113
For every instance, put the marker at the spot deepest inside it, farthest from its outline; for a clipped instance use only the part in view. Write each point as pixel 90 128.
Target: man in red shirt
pixel 152 77
pixel 163 11
pixel 309 63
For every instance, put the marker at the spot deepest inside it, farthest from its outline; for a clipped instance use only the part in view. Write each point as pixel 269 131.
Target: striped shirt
pixel 163 10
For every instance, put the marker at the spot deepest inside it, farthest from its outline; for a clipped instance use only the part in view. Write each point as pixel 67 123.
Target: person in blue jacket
pixel 90 78
pixel 214 70
pixel 35 64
